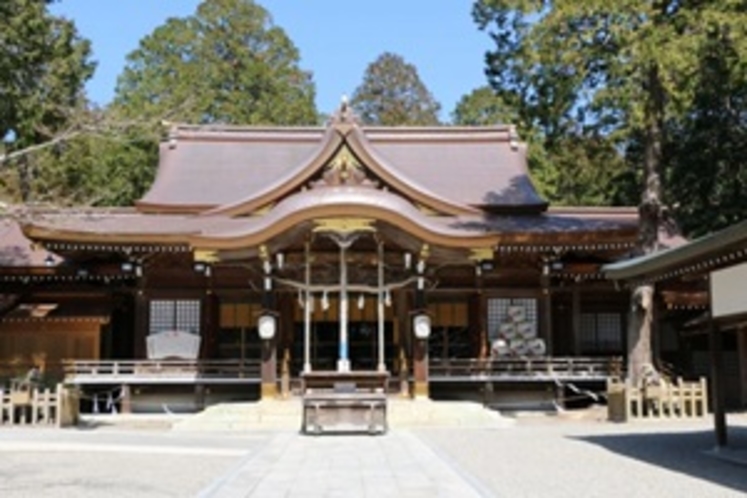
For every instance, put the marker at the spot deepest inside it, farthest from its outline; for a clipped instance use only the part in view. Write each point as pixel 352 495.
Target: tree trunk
pixel 642 308
pixel 639 333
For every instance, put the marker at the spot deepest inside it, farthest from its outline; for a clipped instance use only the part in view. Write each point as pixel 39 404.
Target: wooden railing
pixel 524 369
pixel 129 371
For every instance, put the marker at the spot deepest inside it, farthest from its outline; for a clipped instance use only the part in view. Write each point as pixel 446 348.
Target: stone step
pixel 286 414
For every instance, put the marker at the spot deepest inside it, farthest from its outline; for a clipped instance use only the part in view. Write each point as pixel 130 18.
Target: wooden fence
pixel 56 407
pixel 663 400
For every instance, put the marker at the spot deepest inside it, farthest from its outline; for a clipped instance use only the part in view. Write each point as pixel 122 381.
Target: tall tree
pixel 483 107
pixel 624 66
pixel 576 167
pixel 392 94
pixel 44 65
pixel 227 63
pixel 707 146
pixel 486 106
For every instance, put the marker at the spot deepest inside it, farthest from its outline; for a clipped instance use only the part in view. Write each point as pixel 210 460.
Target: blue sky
pixel 337 40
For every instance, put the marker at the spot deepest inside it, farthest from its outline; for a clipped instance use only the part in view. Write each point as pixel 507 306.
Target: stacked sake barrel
pixel 517 336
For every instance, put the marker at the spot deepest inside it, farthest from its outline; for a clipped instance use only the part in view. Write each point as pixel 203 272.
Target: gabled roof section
pixel 201 168
pixel 237 170
pixel 482 167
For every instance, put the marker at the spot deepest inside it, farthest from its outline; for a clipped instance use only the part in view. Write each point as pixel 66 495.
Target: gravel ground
pixel 536 457
pixel 130 463
pixel 543 457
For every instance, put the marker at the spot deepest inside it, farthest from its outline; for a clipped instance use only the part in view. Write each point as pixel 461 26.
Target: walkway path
pixel 292 465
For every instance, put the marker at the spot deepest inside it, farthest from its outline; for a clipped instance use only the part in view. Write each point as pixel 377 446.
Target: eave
pixel 707 253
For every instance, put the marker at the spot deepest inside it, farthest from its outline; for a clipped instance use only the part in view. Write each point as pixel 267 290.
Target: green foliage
pixel 392 94
pixel 483 107
pixel 103 164
pixel 707 150
pixel 44 65
pixel 606 77
pixel 227 63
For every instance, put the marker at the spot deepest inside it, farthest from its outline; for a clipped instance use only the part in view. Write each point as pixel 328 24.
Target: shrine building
pixel 260 253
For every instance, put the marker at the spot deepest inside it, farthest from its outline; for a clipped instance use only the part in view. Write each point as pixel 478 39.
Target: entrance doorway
pixel 237 337
pixel 325 344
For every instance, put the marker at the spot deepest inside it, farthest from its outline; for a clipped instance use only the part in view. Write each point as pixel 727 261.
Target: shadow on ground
pixel 687 452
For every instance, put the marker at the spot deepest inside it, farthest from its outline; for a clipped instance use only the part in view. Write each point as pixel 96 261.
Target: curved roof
pixel 453 170
pixel 226 232
pixel 480 167
pixel 200 168
pixel 231 188
pixel 18 251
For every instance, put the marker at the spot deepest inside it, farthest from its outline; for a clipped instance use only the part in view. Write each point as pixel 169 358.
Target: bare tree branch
pixel 94 124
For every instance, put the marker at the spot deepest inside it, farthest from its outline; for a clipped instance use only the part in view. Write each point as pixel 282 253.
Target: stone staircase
pixel 427 413
pixel 286 414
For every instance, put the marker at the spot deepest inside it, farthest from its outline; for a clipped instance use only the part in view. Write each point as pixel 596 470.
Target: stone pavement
pixel 395 465
pixel 537 456
pixel 591 458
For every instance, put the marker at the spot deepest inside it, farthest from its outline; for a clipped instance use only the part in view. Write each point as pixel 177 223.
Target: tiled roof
pixel 207 167
pixel 18 251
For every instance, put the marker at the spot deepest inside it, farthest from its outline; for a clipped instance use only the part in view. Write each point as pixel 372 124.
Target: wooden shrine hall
pixel 260 253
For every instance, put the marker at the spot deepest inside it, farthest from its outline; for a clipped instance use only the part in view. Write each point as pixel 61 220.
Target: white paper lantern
pixel 266 326
pixel 422 326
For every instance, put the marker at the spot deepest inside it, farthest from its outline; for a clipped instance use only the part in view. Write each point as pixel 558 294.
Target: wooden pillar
pixel 546 304
pixel 717 383
pixel 268 368
pixel 420 367
pixel 576 319
pixel 287 331
pixel 742 357
pixel 141 324
pixel 479 307
pixel 478 325
pixel 209 324
pixel 420 346
pixel 269 387
pixel 401 313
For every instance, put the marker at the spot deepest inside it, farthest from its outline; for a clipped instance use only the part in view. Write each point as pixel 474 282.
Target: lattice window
pixel 601 332
pixel 498 312
pixel 166 314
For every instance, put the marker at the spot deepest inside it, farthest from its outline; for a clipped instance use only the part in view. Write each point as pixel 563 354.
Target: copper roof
pixel 18 251
pixel 225 232
pixel 229 187
pixel 466 168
